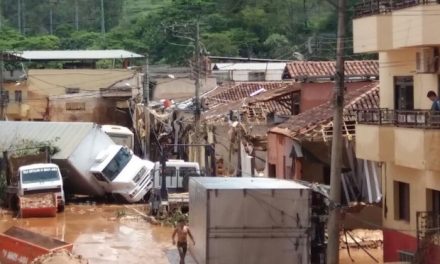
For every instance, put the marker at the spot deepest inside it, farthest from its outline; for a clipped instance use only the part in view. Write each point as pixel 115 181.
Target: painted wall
pixel 314 94
pixel 375 143
pixel 372 33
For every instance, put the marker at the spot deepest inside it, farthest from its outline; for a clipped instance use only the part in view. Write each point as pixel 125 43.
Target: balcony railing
pixel 401 118
pixel 374 7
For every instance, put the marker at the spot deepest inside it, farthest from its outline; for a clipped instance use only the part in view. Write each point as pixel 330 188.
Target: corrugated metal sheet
pixel 66 135
pixel 249 66
pixel 246 183
pixel 301 69
pixel 76 54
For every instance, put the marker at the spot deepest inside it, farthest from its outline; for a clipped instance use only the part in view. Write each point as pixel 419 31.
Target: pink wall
pixel 314 94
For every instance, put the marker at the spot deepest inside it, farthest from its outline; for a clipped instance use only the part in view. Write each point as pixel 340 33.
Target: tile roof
pixel 359 68
pixel 225 98
pixel 314 124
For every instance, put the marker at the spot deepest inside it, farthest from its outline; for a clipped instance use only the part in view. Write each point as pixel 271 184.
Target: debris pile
pixel 43 200
pixel 362 238
pixel 59 257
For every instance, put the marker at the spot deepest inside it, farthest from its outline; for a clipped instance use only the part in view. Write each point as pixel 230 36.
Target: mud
pixel 118 234
pixel 104 233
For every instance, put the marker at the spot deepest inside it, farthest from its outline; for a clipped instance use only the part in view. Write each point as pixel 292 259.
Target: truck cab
pixel 41 178
pixel 177 173
pixel 120 172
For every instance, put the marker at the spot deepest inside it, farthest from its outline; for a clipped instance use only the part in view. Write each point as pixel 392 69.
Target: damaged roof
pixel 256 98
pixel 327 69
pixel 312 124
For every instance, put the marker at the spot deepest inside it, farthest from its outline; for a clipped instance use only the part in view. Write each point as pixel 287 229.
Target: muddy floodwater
pixel 104 233
pixel 117 234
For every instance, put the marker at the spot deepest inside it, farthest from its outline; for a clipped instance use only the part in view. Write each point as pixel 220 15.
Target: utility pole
pixel 102 18
pixel 51 19
pixel 197 99
pixel 197 68
pixel 1 14
pixel 336 157
pixel 23 16
pixel 76 16
pixel 146 93
pixel 19 15
pixel 2 92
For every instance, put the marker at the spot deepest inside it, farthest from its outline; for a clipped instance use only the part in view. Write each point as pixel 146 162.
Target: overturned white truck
pixel 90 162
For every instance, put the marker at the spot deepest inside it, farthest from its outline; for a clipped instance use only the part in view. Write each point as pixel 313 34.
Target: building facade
pixel 403 134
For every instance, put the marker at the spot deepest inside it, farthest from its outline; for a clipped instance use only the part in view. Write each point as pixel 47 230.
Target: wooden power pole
pixel 336 157
pixel 146 93
pixel 197 71
pixel 3 99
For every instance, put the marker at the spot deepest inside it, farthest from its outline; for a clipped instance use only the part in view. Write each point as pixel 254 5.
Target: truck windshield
pixel 117 164
pixel 40 175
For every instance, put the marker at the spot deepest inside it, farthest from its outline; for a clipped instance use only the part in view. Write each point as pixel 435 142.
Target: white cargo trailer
pixel 82 147
pixel 249 220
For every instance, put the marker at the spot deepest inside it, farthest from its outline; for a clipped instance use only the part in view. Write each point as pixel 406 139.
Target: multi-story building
pixel 404 134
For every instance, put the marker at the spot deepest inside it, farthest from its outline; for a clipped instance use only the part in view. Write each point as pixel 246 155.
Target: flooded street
pixel 117 234
pixel 105 234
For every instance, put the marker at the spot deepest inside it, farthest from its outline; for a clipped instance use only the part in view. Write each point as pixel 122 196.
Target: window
pixel 18 96
pixel 188 171
pixel 40 175
pixel 72 90
pixel 117 164
pixel 5 96
pixel 401 201
pixel 404 93
pixel 170 171
pixel 256 76
pixel 433 201
pixel 407 257
pixel 272 171
pixel 75 106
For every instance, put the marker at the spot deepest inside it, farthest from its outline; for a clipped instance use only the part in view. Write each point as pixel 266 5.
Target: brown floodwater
pixel 99 235
pixel 117 234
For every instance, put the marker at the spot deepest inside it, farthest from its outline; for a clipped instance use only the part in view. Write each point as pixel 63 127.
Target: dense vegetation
pixel 282 29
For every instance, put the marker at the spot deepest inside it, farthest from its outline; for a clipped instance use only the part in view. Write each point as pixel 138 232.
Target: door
pixel 403 93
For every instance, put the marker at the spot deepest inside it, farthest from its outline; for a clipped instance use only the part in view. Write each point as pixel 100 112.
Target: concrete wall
pixel 375 143
pixel 420 181
pixel 373 33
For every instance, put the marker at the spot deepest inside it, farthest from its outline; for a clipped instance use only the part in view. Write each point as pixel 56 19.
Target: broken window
pixel 401 201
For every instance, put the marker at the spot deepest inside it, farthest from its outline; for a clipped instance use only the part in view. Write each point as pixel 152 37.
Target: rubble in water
pixel 43 200
pixel 60 257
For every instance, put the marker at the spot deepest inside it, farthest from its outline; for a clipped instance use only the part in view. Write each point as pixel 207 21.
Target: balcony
pixel 407 138
pixel 382 25
pixel 376 7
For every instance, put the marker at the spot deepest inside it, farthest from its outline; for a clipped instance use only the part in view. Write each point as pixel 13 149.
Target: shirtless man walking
pixel 182 231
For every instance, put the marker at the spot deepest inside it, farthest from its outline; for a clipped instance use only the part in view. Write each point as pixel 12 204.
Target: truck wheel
pixel 61 208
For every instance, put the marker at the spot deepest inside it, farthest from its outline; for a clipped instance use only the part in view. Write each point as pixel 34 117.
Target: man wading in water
pixel 182 232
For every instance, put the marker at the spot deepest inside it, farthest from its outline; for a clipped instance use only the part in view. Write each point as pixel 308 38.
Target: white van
pixel 120 135
pixel 39 178
pixel 177 174
pixel 119 171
